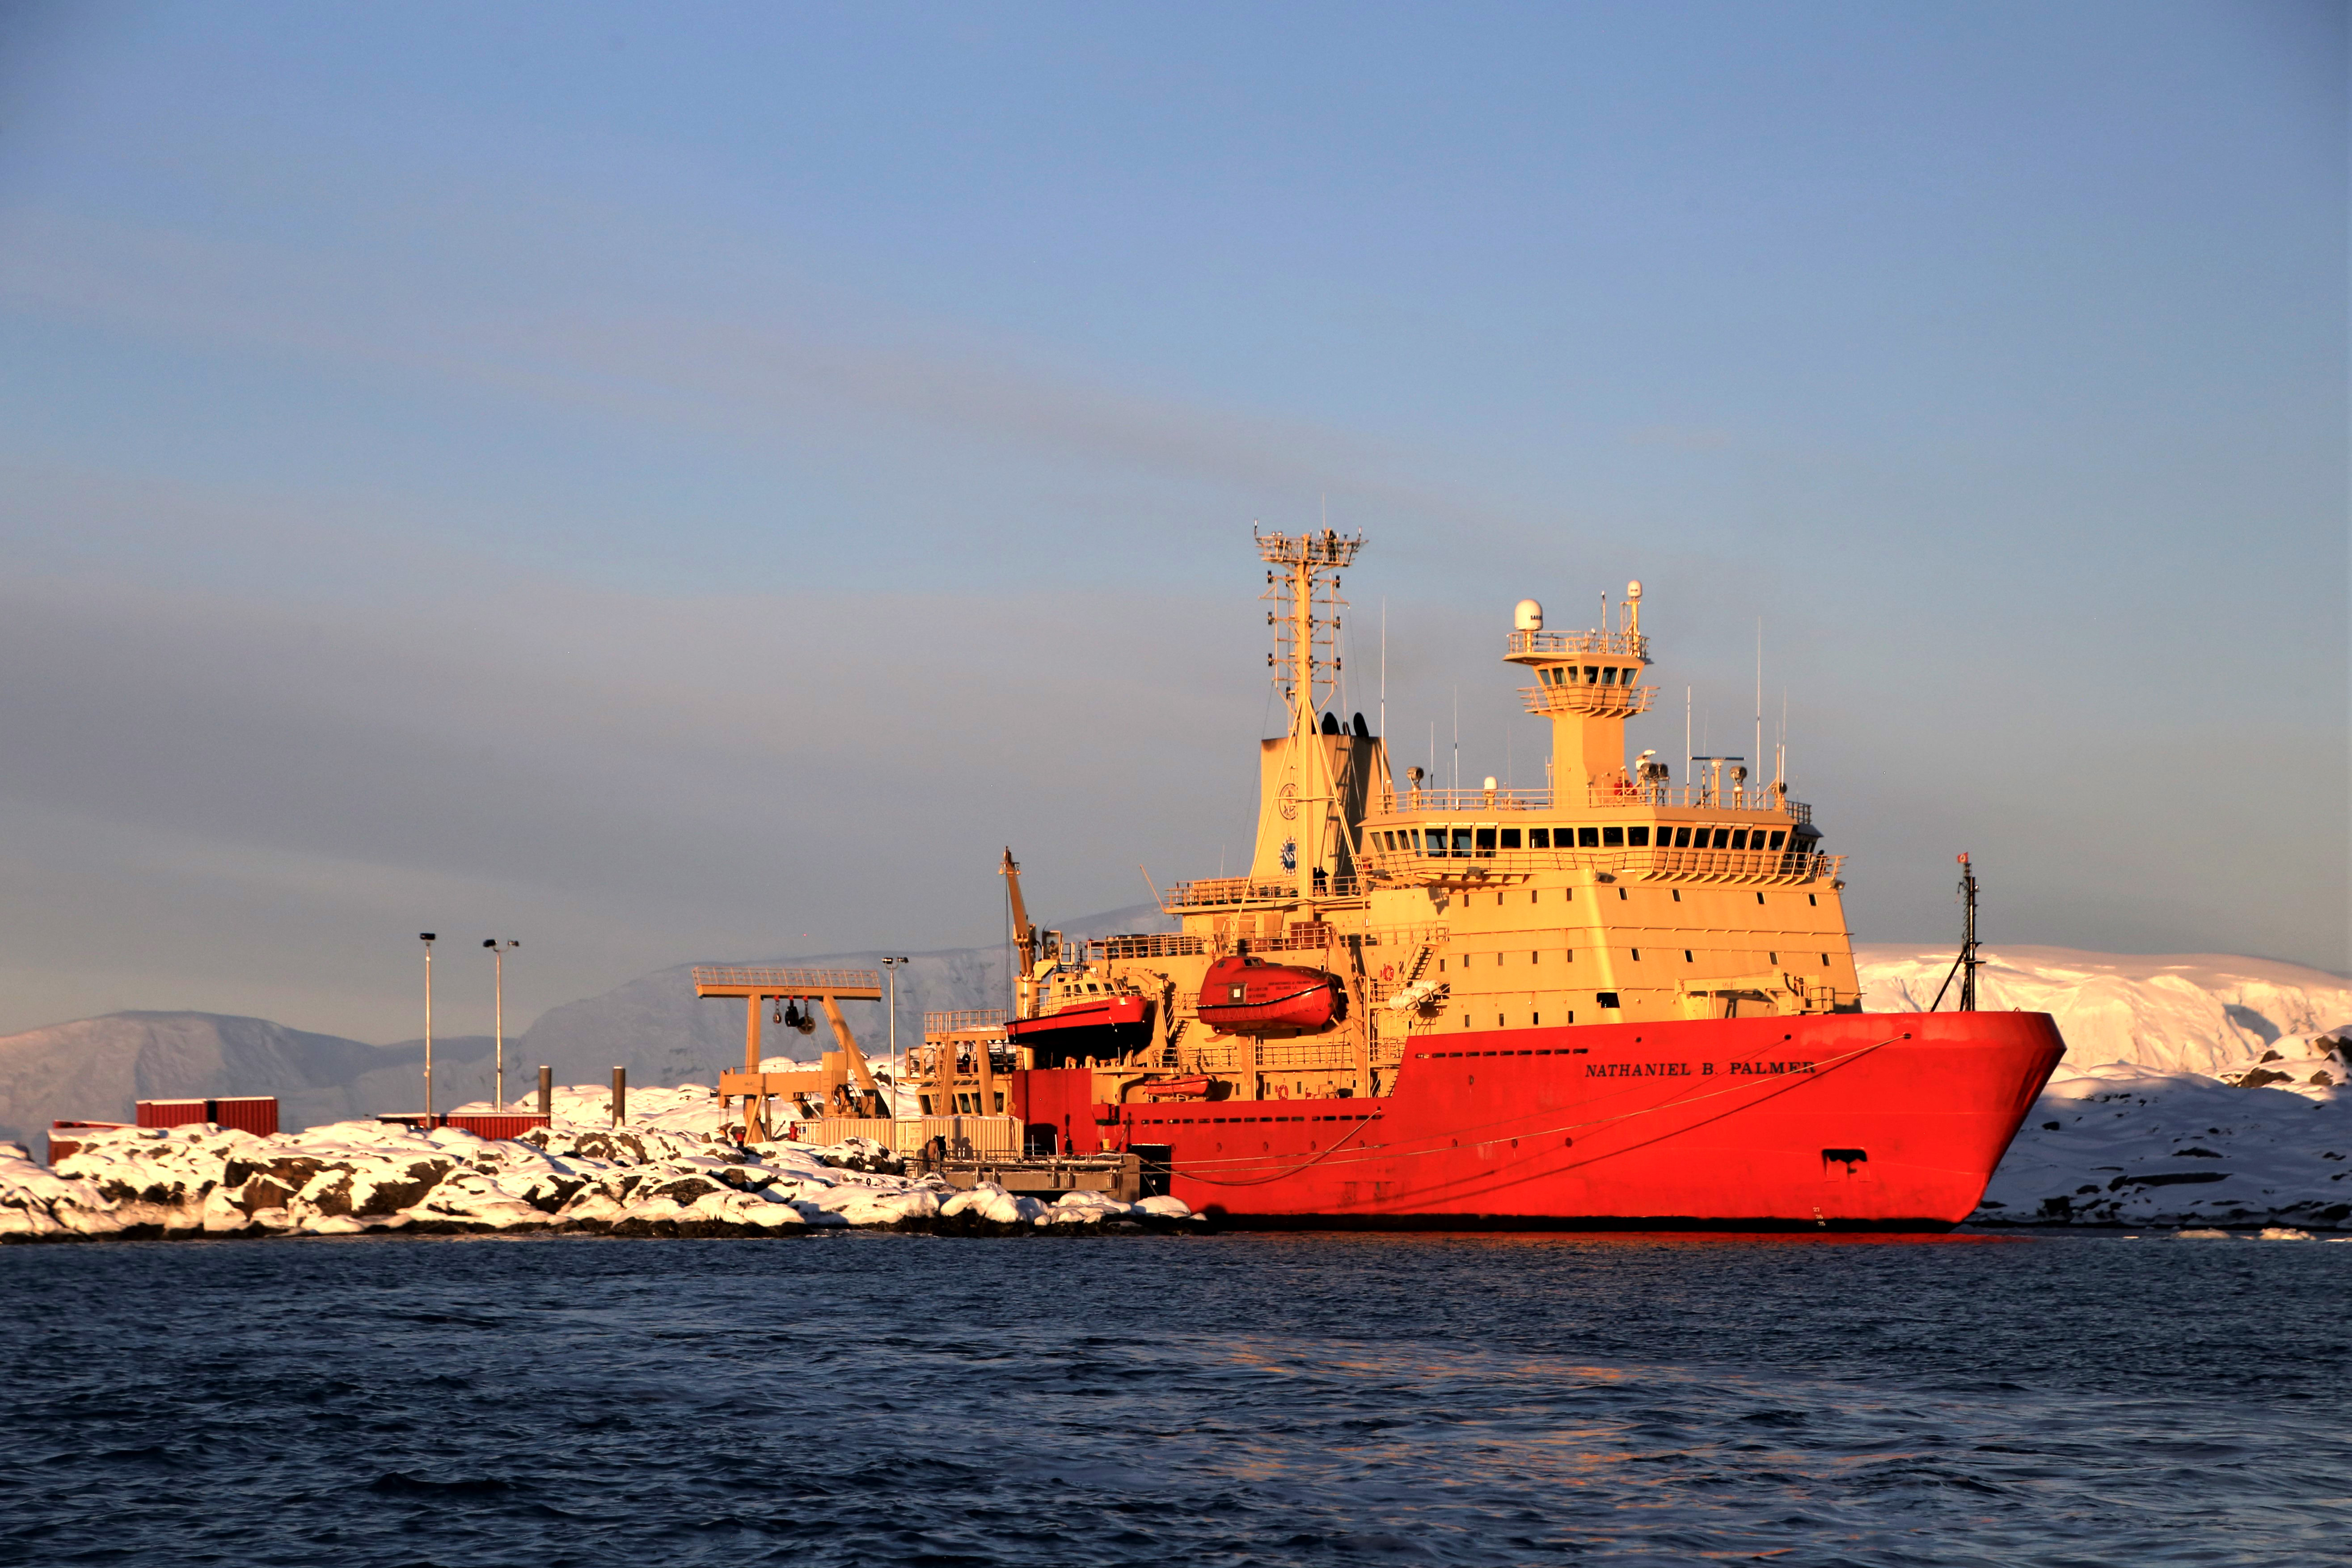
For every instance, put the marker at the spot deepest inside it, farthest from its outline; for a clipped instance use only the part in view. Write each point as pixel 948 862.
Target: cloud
pixel 770 362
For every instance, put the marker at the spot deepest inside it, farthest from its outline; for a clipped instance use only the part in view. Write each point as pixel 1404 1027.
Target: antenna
pixel 1780 752
pixel 1686 745
pixel 1966 964
pixel 1457 737
pixel 1759 752
pixel 1384 671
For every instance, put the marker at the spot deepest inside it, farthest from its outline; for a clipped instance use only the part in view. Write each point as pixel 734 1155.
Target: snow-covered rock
pixel 667 1170
pixel 2125 1145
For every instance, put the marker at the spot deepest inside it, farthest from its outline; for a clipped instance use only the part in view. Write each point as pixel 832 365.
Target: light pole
pixel 427 938
pixel 890 968
pixel 499 1017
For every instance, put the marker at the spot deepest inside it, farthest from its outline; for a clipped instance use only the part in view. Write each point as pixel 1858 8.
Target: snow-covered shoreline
pixel 665 1174
pixel 2267 1145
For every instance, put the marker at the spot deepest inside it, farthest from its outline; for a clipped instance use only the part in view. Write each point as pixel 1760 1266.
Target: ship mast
pixel 1299 789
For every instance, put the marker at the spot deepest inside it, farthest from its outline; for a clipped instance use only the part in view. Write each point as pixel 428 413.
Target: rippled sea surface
pixel 1133 1399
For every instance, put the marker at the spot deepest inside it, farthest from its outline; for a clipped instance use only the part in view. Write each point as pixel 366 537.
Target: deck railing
pixel 1666 865
pixel 1507 798
pixel 1589 644
pixel 789 982
pixel 958 1020
pixel 1594 701
pixel 1212 892
pixel 1154 944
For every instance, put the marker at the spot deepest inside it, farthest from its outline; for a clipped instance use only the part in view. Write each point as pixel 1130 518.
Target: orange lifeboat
pixel 1244 995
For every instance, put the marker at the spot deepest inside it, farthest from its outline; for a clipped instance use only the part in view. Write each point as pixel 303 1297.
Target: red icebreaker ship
pixel 1617 1001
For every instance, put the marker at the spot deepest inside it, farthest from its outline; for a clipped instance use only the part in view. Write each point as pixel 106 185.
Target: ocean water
pixel 879 1399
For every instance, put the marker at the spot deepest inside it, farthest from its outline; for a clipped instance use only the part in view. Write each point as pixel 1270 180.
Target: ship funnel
pixel 1527 617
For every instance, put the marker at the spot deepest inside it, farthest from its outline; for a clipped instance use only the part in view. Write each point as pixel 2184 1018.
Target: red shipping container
pixel 69 1144
pixel 480 1123
pixel 249 1113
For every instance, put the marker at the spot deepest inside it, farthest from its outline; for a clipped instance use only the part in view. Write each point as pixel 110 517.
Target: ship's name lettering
pixel 1685 1069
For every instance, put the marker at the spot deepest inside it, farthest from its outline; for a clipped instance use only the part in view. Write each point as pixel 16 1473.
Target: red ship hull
pixel 1841 1121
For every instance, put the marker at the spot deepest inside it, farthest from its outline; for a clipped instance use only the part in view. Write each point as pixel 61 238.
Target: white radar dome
pixel 1633 589
pixel 1527 617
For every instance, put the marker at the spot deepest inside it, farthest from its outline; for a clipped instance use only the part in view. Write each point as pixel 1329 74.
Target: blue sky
pixel 659 482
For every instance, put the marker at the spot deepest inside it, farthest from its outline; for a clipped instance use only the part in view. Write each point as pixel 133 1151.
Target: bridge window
pixel 1739 839
pixel 1613 838
pixel 1609 675
pixel 1538 837
pixel 1722 838
pixel 1591 675
pixel 1639 837
pixel 1462 843
pixel 1510 839
pixel 1776 839
pixel 1486 843
pixel 1588 838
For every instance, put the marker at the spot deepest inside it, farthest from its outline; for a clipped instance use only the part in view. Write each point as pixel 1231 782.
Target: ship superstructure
pixel 1666 965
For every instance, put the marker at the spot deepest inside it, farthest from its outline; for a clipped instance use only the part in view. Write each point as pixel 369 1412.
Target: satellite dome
pixel 1633 589
pixel 1527 617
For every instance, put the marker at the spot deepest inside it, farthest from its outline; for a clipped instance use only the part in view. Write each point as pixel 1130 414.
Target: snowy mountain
pixel 93 1068
pixel 2203 1013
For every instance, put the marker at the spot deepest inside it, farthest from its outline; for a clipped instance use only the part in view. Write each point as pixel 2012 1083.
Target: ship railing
pixel 1210 891
pixel 1599 645
pixel 1153 944
pixel 1599 701
pixel 1653 864
pixel 960 1020
pixel 1609 795
pixel 789 982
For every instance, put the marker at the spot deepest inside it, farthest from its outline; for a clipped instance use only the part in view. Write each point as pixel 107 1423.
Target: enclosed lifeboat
pixel 1244 995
